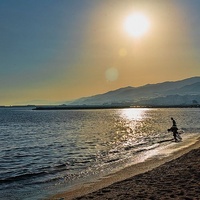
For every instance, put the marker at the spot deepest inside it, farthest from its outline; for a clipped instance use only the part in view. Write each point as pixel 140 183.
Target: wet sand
pixel 175 177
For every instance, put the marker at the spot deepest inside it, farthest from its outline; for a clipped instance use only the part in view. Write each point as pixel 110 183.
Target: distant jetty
pixel 77 107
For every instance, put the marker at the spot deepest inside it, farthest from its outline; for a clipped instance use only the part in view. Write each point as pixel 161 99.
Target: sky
pixel 60 50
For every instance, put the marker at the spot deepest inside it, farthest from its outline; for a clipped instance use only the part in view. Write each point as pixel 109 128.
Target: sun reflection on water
pixel 133 113
pixel 128 126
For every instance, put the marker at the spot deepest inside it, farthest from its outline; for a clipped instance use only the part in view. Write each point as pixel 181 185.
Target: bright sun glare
pixel 136 25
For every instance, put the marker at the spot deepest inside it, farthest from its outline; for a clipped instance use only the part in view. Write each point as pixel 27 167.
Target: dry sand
pixel 177 178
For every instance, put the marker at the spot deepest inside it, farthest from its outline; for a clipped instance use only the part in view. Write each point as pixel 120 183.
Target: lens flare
pixel 111 74
pixel 122 52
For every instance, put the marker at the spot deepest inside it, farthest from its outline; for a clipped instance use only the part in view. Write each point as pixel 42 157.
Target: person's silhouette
pixel 174 129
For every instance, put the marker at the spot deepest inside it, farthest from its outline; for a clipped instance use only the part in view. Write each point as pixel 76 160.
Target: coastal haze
pixel 55 51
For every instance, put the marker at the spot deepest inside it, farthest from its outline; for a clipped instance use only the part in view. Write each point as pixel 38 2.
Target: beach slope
pixel 177 177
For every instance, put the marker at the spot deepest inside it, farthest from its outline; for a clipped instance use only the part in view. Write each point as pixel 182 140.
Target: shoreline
pixel 103 188
pixel 99 107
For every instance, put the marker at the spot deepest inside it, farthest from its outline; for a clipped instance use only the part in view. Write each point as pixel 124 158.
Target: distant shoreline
pixel 93 107
pixel 107 107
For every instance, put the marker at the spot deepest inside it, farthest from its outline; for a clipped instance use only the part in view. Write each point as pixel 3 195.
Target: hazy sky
pixel 65 49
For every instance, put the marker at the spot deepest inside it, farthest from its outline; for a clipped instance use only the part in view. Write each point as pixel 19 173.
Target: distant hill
pixel 183 92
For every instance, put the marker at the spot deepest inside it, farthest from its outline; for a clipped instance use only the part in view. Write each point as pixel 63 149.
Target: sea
pixel 44 152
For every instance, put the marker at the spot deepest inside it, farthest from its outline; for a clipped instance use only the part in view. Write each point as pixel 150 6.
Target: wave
pixel 42 172
pixel 22 177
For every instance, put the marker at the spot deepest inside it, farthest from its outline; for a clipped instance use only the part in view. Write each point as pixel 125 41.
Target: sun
pixel 136 25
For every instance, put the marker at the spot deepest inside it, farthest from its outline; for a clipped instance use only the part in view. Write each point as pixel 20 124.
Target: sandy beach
pixel 176 177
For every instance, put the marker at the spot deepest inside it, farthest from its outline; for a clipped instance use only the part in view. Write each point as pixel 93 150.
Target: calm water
pixel 44 152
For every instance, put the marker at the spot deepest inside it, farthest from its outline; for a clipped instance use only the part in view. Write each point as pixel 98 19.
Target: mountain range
pixel 182 92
